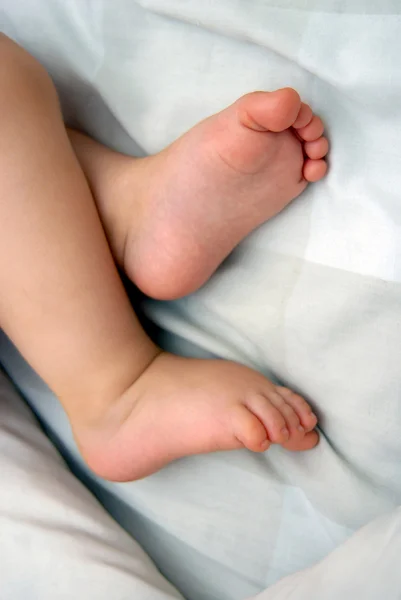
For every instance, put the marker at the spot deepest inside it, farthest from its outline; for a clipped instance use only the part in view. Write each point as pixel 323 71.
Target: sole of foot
pixel 216 184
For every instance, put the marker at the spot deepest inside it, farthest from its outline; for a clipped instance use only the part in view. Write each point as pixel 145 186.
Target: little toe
pixel 314 170
pixel 304 117
pixel 317 149
pixel 313 131
pixel 271 418
pixel 307 418
pixel 249 430
pixel 269 111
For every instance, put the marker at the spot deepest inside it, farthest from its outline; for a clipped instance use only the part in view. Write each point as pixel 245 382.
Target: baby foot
pixel 179 407
pixel 217 183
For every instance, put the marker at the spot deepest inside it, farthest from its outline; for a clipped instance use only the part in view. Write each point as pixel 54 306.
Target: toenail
pixel 265 445
pixel 301 429
pixel 285 432
pixel 313 416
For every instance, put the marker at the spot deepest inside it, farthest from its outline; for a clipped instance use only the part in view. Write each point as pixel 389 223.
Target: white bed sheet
pixel 312 298
pixel 56 541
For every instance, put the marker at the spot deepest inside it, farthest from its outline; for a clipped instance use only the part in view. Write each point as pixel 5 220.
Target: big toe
pixel 269 111
pixel 307 442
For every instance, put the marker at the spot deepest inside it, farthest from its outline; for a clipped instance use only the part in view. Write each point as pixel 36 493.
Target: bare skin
pixel 132 407
pixel 182 211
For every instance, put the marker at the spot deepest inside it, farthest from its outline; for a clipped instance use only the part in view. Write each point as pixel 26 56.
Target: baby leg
pixel 61 300
pixel 132 407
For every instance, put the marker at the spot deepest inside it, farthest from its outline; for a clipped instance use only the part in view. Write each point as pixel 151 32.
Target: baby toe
pixel 291 418
pixel 316 149
pixel 249 430
pixel 268 111
pixel 304 117
pixel 314 170
pixel 313 130
pixel 270 416
pixel 305 414
pixel 307 442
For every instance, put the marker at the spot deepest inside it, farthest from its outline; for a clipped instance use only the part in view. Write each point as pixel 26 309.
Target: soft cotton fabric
pixel 311 299
pixel 56 540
